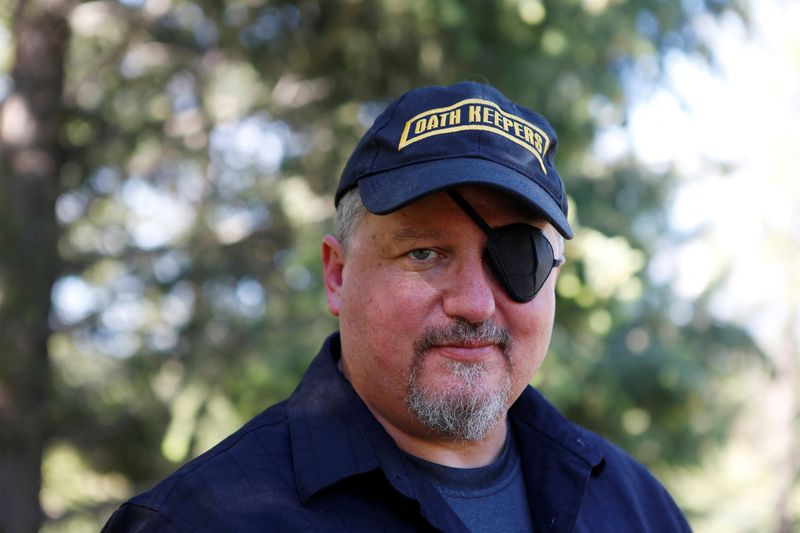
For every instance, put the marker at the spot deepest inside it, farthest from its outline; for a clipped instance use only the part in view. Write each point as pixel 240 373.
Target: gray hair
pixel 349 214
pixel 560 247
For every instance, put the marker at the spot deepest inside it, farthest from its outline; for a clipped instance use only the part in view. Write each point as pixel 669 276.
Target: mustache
pixel 460 331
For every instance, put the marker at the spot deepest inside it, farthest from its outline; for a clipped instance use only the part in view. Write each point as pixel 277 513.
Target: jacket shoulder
pixel 617 493
pixel 623 487
pixel 254 460
pixel 620 465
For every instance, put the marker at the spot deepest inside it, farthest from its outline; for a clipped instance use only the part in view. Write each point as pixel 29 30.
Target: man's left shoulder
pixel 617 492
pixel 620 466
pixel 604 457
pixel 622 486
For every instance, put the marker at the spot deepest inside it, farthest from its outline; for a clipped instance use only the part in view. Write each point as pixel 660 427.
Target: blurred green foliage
pixel 202 142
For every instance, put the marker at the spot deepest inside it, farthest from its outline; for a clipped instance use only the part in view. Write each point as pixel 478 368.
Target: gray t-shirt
pixel 488 498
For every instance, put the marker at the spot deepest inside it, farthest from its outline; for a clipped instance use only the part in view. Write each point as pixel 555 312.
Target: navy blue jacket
pixel 321 462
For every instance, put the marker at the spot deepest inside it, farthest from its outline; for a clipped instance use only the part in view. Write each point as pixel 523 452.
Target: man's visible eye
pixel 421 254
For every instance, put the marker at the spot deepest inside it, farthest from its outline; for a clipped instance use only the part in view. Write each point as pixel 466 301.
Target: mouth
pixel 464 342
pixel 468 352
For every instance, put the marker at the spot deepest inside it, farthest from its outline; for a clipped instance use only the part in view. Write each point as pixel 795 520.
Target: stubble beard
pixel 470 408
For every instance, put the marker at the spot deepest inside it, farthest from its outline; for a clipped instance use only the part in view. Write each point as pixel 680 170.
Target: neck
pixel 454 453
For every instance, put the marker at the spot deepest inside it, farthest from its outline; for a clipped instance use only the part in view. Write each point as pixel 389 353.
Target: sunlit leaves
pixel 204 143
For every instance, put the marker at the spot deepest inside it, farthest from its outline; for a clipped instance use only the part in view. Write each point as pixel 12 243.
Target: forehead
pixel 490 200
pixel 495 207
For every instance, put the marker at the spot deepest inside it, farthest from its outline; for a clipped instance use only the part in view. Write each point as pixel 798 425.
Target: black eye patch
pixel 519 255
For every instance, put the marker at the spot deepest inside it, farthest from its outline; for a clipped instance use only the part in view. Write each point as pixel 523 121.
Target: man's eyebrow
pixel 410 234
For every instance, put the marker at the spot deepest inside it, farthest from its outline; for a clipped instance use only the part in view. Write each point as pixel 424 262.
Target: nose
pixel 469 293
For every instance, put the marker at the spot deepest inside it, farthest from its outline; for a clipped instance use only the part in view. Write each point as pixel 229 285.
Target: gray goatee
pixel 468 410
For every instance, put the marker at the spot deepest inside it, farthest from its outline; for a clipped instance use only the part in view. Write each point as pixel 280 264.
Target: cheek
pixel 381 317
pixel 531 331
pixel 382 314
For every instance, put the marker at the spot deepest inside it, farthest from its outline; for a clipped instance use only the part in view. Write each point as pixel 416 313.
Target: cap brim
pixel 387 191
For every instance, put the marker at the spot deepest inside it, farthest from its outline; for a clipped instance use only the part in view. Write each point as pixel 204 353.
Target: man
pixel 418 414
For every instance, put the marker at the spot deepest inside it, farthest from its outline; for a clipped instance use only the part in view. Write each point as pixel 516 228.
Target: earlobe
pixel 332 272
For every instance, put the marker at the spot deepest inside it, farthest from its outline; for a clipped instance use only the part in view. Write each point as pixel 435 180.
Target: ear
pixel 332 270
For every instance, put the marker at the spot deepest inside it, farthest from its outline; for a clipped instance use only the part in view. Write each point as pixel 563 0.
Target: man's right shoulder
pixel 255 460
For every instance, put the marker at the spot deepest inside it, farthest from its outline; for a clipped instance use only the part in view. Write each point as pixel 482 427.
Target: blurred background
pixel 167 170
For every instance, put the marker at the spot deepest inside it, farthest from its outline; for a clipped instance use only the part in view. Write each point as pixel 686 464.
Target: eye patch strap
pixel 487 229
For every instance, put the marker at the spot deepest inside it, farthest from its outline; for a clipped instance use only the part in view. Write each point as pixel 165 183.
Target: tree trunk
pixel 30 160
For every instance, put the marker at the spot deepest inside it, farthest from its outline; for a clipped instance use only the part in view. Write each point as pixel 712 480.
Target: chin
pixel 464 403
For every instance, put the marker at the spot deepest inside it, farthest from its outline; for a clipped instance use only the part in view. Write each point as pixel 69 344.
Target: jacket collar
pixel 558 460
pixel 326 426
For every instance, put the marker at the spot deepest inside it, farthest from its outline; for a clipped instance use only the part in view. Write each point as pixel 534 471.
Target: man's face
pixel 430 340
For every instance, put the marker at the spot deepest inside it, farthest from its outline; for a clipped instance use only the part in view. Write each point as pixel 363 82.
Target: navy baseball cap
pixel 436 138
